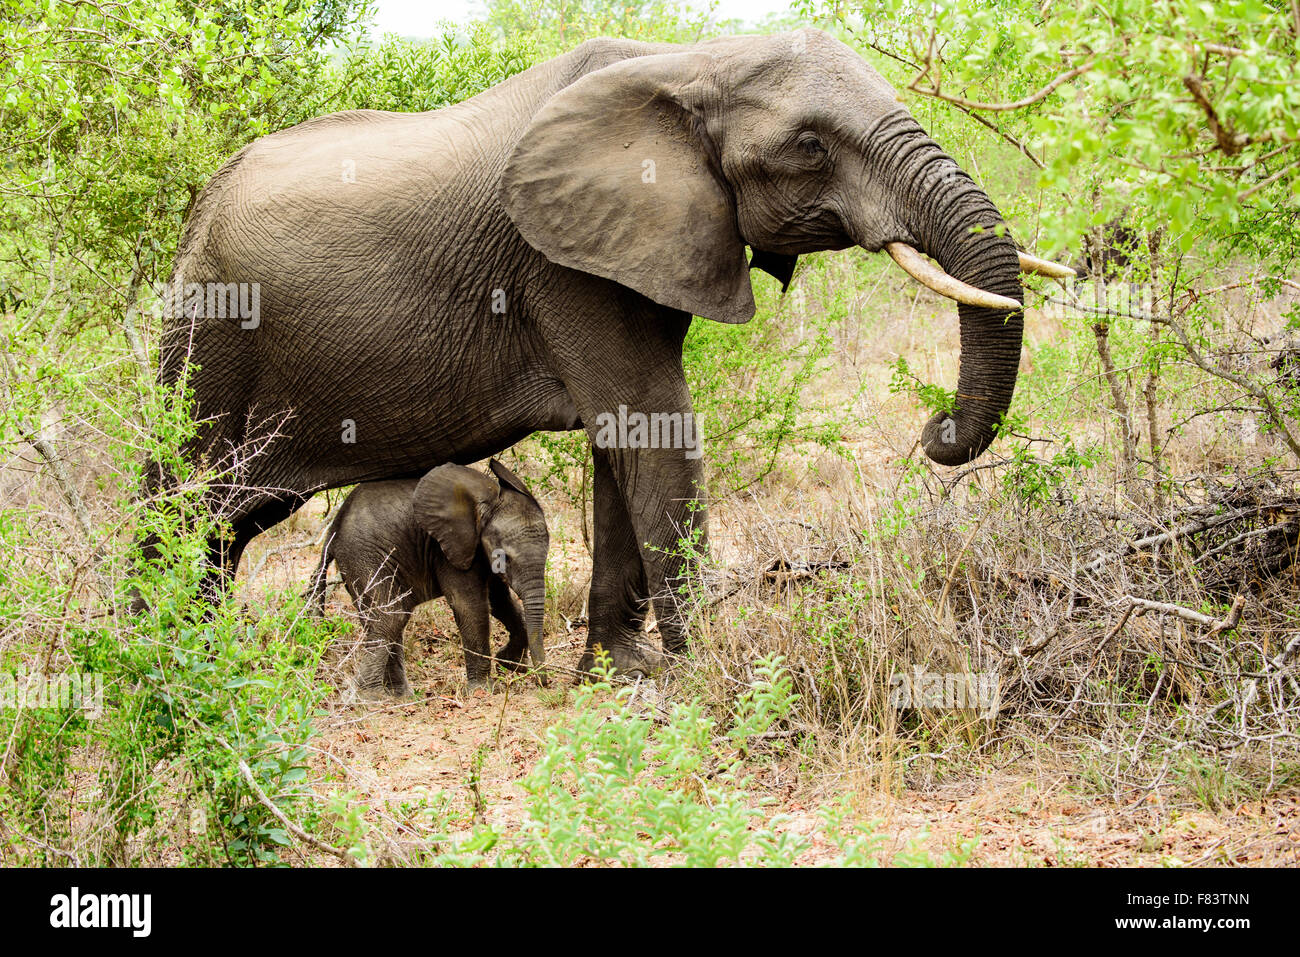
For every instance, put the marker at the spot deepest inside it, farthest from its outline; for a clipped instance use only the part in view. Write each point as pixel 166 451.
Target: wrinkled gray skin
pixel 377 294
pixel 451 534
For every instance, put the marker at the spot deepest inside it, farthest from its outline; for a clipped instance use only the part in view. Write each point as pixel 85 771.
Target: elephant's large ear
pixel 616 176
pixel 509 479
pixel 451 504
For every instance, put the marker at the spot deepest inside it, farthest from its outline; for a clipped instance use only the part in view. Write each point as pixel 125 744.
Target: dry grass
pixel 1092 758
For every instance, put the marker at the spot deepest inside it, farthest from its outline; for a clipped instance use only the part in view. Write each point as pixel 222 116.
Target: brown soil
pixel 398 756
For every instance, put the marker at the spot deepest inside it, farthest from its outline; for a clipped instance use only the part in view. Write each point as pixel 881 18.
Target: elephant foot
pixel 357 693
pixel 631 659
pixel 478 683
pixel 512 659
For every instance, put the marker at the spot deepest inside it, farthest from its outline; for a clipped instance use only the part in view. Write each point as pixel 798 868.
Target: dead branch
pixel 1216 625
pixel 1182 531
pixel 338 852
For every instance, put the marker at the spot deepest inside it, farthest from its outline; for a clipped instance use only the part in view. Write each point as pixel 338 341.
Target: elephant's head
pixel 656 172
pixel 471 516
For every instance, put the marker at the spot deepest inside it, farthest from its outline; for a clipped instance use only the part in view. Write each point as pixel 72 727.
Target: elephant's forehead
pixel 807 72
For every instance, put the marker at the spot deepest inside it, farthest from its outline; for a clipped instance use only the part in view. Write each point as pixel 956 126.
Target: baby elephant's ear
pixel 451 504
pixel 509 479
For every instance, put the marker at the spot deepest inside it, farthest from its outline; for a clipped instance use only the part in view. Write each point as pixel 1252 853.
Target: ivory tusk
pixel 1044 267
pixel 927 274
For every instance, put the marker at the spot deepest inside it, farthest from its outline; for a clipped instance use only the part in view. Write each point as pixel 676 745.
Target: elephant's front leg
pixel 507 610
pixel 645 504
pixel 620 358
pixel 616 605
pixel 467 593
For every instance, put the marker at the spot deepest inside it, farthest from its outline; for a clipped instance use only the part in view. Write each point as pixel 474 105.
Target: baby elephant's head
pixel 471 517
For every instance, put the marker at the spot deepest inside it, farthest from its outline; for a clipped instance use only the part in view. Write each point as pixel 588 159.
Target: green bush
pixel 615 786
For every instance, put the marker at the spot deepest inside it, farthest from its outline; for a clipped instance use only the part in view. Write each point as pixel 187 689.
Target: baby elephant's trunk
pixel 534 614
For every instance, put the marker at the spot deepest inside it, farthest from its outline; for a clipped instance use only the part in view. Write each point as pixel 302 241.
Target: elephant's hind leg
pixel 384 614
pixel 224 553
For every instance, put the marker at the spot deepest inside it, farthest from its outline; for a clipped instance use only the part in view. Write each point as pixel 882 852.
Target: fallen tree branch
pixel 1246 536
pixel 338 852
pixel 1182 531
pixel 1216 625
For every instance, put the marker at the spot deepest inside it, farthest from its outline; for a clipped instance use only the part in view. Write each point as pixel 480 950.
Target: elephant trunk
pixel 534 602
pixel 949 218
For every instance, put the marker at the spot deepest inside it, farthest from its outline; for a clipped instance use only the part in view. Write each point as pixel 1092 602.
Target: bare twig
pixel 246 773
pixel 1030 100
pixel 1275 416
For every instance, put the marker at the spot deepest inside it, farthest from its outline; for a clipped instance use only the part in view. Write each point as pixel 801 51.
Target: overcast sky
pixel 420 17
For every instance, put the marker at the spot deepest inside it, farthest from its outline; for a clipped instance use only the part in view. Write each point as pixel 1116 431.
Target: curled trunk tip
pixel 941 438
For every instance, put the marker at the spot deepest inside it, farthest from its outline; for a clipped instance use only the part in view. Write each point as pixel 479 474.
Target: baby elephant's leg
pixel 383 660
pixel 469 603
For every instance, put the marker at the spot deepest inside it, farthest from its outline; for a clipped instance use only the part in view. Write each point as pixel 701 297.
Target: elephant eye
pixel 811 145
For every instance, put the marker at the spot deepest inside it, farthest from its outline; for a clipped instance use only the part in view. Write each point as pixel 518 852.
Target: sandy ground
pixel 400 756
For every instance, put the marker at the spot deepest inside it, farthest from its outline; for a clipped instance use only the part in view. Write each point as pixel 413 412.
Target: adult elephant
pixel 433 287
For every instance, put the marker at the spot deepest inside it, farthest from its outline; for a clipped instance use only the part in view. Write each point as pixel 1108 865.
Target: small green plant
pixel 1034 481
pixel 932 397
pixel 345 811
pixel 615 786
pixel 857 841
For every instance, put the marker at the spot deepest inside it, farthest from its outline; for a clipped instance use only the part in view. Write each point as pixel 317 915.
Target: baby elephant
pixel 456 533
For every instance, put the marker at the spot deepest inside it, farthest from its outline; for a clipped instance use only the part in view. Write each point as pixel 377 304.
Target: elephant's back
pixel 372 164
pixel 375 526
pixel 386 503
pixel 374 194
